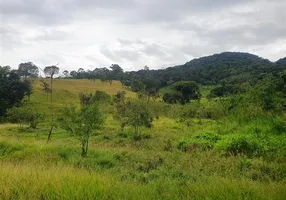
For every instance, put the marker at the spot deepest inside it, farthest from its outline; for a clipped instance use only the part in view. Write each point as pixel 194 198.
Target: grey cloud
pixel 52 35
pixel 182 29
pixel 129 55
pixel 171 11
pixel 125 42
pixel 260 33
pixel 154 50
pixel 110 54
pixel 50 12
pixel 44 12
pixel 120 55
pixel 9 38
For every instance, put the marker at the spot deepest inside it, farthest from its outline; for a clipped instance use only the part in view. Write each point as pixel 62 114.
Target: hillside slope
pixel 66 91
pixel 281 61
pixel 230 67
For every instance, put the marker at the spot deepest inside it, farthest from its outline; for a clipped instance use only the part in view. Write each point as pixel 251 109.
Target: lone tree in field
pixel 183 92
pixel 82 122
pixel 50 71
pixel 188 89
pixel 137 115
pixel 28 69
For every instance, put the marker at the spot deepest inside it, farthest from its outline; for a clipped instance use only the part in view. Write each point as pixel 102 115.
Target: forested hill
pixel 229 67
pixel 281 61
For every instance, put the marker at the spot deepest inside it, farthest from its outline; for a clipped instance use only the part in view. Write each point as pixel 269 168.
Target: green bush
pixel 101 96
pixel 25 115
pixel 8 148
pixel 204 141
pixel 241 145
pixel 278 126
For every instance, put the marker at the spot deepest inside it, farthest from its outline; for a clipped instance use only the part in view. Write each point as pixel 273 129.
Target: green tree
pixel 172 97
pixel 46 87
pixel 82 122
pixel 120 112
pixel 188 89
pixel 29 86
pixel 137 85
pixel 66 73
pixel 101 97
pixel 73 74
pixel 12 89
pixel 50 71
pixel 25 115
pixel 151 88
pixel 137 115
pixel 225 90
pixel 28 69
pixel 116 72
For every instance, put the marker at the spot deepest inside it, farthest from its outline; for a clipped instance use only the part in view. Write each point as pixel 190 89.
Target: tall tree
pixel 66 73
pixel 151 88
pixel 12 89
pixel 73 74
pixel 50 71
pixel 80 73
pixel 28 69
pixel 116 72
pixel 120 113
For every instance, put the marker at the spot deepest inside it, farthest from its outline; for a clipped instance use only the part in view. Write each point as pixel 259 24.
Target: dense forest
pixel 230 67
pixel 226 67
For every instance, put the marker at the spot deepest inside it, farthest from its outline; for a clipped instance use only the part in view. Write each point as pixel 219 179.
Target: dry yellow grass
pixel 84 85
pixel 66 92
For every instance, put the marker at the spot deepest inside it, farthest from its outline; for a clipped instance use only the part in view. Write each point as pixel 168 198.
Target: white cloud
pixel 135 33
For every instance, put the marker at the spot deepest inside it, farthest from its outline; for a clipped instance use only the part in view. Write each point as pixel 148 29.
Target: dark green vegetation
pixel 12 89
pixel 220 141
pixel 182 92
pixel 281 61
pixel 227 67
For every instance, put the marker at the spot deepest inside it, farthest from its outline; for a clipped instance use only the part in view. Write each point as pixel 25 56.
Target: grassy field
pixel 66 91
pixel 118 167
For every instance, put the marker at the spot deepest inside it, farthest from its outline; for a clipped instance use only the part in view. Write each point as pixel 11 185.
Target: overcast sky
pixel 135 33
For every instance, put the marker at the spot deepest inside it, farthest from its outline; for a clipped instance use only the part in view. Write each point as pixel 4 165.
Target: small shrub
pixel 204 141
pixel 101 96
pixel 151 165
pixel 7 149
pixel 245 164
pixel 278 126
pixel 25 115
pixel 106 162
pixel 168 145
pixel 241 145
pixel 262 171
